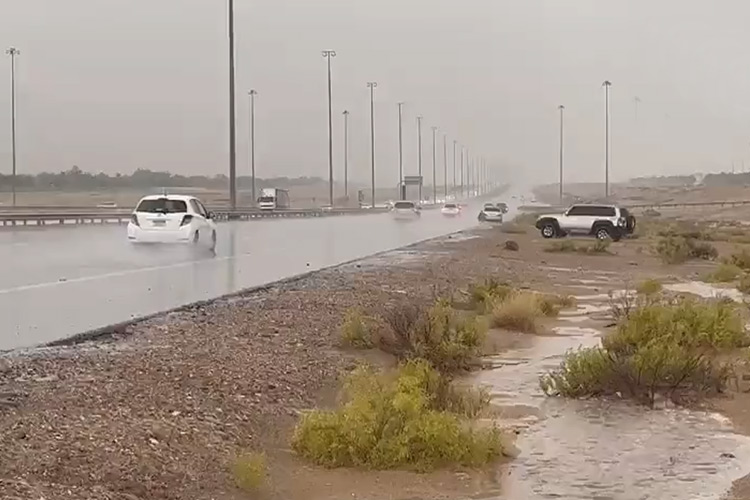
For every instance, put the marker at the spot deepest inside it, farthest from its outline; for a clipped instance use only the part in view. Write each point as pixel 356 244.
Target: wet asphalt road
pixel 57 282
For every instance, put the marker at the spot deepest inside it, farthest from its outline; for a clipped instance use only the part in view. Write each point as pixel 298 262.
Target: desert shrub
pixel 744 284
pixel 513 228
pixel 668 348
pixel 356 330
pixel 550 304
pixel 511 246
pixel 437 334
pixel 649 287
pixel 249 471
pixel 568 246
pixel 741 259
pixel 724 274
pixel 392 421
pixel 484 294
pixel 678 249
pixel 520 311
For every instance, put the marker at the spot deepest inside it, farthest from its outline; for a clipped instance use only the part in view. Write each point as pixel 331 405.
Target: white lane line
pixel 117 274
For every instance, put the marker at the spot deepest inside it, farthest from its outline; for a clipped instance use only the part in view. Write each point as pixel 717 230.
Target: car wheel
pixel 603 233
pixel 549 231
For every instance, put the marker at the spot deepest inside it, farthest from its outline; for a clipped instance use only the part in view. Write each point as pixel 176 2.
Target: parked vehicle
pixel 172 219
pixel 273 199
pixel 450 210
pixel 490 213
pixel 405 210
pixel 602 221
pixel 503 207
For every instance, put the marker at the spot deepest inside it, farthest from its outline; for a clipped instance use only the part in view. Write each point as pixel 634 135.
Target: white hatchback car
pixel 172 219
pixel 451 209
pixel 406 210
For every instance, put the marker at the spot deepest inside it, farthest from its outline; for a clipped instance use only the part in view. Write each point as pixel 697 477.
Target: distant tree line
pixel 664 181
pixel 76 179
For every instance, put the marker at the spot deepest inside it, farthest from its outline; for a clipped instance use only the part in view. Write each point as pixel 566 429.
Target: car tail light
pixel 186 220
pixel 134 220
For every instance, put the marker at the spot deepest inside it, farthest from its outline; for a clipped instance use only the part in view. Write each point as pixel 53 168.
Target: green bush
pixel 725 273
pixel 356 331
pixel 486 293
pixel 520 311
pixel 649 287
pixel 394 421
pixel 669 348
pixel 741 259
pixel 550 304
pixel 678 249
pixel 439 335
pixel 568 246
pixel 250 471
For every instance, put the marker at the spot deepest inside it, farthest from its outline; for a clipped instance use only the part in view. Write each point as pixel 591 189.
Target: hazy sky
pixel 114 85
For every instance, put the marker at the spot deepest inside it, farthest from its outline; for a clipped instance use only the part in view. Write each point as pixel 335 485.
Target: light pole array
pixel 445 166
pixel 400 195
pixel 13 53
pixel 346 155
pixel 329 54
pixel 419 158
pixel 232 121
pixel 607 84
pixel 252 95
pixel 562 124
pixel 372 86
pixel 434 165
pixel 455 143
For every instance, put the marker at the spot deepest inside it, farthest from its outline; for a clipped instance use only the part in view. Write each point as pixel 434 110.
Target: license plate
pixel 159 222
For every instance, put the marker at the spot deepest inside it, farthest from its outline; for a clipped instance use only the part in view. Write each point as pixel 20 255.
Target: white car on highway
pixel 172 219
pixel 406 210
pixel 490 213
pixel 451 209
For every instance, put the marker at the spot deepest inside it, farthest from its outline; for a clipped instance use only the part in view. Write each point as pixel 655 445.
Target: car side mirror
pixel 209 215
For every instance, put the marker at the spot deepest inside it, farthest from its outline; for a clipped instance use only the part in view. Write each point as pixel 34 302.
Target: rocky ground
pixel 162 411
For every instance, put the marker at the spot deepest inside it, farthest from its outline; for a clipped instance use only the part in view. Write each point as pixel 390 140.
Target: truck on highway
pixel 273 199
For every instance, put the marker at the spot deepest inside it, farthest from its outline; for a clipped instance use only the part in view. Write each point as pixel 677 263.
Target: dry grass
pixel 519 311
pixel 250 472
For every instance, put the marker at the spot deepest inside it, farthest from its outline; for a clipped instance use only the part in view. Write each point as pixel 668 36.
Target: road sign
pixel 412 180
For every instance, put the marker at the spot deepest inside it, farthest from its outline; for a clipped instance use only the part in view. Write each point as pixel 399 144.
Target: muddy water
pixel 605 449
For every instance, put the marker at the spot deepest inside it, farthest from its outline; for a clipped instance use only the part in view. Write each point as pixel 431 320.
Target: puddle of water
pixel 604 449
pixel 705 290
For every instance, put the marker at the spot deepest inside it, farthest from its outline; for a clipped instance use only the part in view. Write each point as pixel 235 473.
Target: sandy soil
pixel 161 411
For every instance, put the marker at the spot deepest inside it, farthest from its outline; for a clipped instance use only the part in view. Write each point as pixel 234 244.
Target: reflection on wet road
pixel 606 449
pixel 58 282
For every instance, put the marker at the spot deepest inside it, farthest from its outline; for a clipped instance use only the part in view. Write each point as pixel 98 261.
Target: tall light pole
pixel 400 153
pixel 462 171
pixel 419 149
pixel 371 86
pixel 13 52
pixel 329 54
pixel 607 84
pixel 252 95
pixel 434 165
pixel 455 143
pixel 445 166
pixel 232 124
pixel 346 155
pixel 562 124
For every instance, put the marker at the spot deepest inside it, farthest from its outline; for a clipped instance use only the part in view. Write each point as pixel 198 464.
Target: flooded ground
pixel 604 449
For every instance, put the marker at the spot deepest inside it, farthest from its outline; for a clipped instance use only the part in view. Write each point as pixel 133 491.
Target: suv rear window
pixel 162 206
pixel 403 204
pixel 450 205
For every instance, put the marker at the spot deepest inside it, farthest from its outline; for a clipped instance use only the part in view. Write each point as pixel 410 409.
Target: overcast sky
pixel 113 85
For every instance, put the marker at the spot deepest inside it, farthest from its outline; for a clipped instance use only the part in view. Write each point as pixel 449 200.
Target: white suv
pixel 602 221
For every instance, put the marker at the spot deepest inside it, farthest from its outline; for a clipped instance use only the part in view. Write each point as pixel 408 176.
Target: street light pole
pixel 13 52
pixel 462 171
pixel 328 54
pixel 445 166
pixel 419 146
pixel 400 153
pixel 562 123
pixel 434 165
pixel 371 86
pixel 607 84
pixel 455 143
pixel 252 95
pixel 232 124
pixel 346 155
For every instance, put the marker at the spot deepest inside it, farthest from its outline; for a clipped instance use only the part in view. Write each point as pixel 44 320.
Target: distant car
pixel 451 210
pixel 490 213
pixel 503 207
pixel 405 210
pixel 172 219
pixel 107 204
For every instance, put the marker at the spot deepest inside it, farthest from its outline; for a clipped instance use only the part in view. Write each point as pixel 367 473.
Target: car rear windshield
pixel 491 209
pixel 403 204
pixel 162 206
pixel 267 199
pixel 450 205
